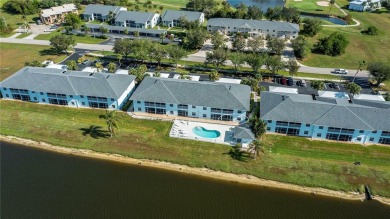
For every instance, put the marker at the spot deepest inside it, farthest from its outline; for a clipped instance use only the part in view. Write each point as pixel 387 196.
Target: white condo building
pixel 354 120
pixel 69 88
pixel 204 100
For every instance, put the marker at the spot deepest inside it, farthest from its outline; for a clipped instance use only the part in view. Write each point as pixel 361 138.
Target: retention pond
pixel 42 184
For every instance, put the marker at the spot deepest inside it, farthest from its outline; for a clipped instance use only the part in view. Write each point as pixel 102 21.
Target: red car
pixel 283 81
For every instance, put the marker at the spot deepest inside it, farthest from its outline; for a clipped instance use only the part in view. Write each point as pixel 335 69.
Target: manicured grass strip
pixel 79 39
pixel 287 159
pixel 13 56
pixel 23 35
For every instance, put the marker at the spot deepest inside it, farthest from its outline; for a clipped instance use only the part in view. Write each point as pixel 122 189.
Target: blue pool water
pixel 205 133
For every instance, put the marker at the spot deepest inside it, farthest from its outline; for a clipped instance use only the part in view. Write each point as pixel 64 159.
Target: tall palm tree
pixel 119 57
pixel 255 147
pixel 360 68
pixel 258 126
pixel 111 120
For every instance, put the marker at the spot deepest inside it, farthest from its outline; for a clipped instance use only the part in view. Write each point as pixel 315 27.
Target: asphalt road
pixel 196 57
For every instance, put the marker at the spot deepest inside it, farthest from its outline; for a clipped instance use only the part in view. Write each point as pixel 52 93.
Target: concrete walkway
pixel 14 36
pixel 30 37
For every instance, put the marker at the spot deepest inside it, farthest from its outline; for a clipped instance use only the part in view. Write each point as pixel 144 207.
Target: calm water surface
pixel 41 184
pixel 263 4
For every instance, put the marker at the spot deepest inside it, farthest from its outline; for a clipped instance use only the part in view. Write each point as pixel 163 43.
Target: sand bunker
pixel 323 3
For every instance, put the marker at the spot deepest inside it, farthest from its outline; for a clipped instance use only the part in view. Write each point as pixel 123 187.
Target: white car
pixel 340 71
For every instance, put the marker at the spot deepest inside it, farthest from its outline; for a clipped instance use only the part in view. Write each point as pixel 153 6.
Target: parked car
pixel 302 83
pixel 85 62
pixel 290 81
pixel 340 71
pixel 283 81
pixel 177 40
pixel 334 86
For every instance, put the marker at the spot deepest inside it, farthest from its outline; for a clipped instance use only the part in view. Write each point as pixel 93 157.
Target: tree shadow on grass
pixel 236 153
pixel 50 51
pixel 95 132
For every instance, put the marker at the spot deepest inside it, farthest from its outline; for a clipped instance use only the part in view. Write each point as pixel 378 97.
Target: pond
pixel 333 20
pixel 263 4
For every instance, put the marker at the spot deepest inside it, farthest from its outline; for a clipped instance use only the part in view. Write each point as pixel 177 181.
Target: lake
pixel 263 4
pixel 41 184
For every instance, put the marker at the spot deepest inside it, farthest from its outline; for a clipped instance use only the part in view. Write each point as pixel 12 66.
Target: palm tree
pixel 86 30
pixel 184 76
pixel 214 75
pixel 162 37
pixel 255 148
pixel 317 85
pixel 111 120
pixel 136 34
pixel 332 2
pixel 103 30
pixel 99 66
pixel 119 57
pixel 258 126
pixel 360 68
pixel 111 67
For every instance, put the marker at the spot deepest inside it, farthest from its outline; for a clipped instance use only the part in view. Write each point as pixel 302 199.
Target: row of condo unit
pixel 131 21
pixel 317 117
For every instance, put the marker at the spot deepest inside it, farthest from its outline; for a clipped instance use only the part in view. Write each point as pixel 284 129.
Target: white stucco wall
pixel 320 132
pixel 193 111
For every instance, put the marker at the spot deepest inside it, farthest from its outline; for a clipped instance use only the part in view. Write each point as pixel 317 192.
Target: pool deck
pixel 183 129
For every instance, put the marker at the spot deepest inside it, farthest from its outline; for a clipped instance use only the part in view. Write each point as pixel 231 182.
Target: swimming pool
pixel 205 133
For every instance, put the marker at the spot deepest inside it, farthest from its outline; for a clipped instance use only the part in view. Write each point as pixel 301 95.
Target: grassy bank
pixel 78 39
pixel 361 47
pixel 312 7
pixel 13 56
pixel 287 159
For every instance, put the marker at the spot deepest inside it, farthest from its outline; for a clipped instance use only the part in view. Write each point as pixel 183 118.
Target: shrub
pixel 371 30
pixel 311 26
pixel 333 45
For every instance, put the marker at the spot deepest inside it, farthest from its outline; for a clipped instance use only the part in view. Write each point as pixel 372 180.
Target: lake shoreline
pixel 204 172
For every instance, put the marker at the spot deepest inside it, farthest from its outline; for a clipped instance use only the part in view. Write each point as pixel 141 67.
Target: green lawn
pixel 361 47
pixel 166 4
pixel 23 35
pixel 287 159
pixel 13 56
pixel 16 19
pixel 79 39
pixel 311 7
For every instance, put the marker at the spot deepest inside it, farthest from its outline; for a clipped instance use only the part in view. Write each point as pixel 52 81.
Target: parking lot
pixel 329 86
